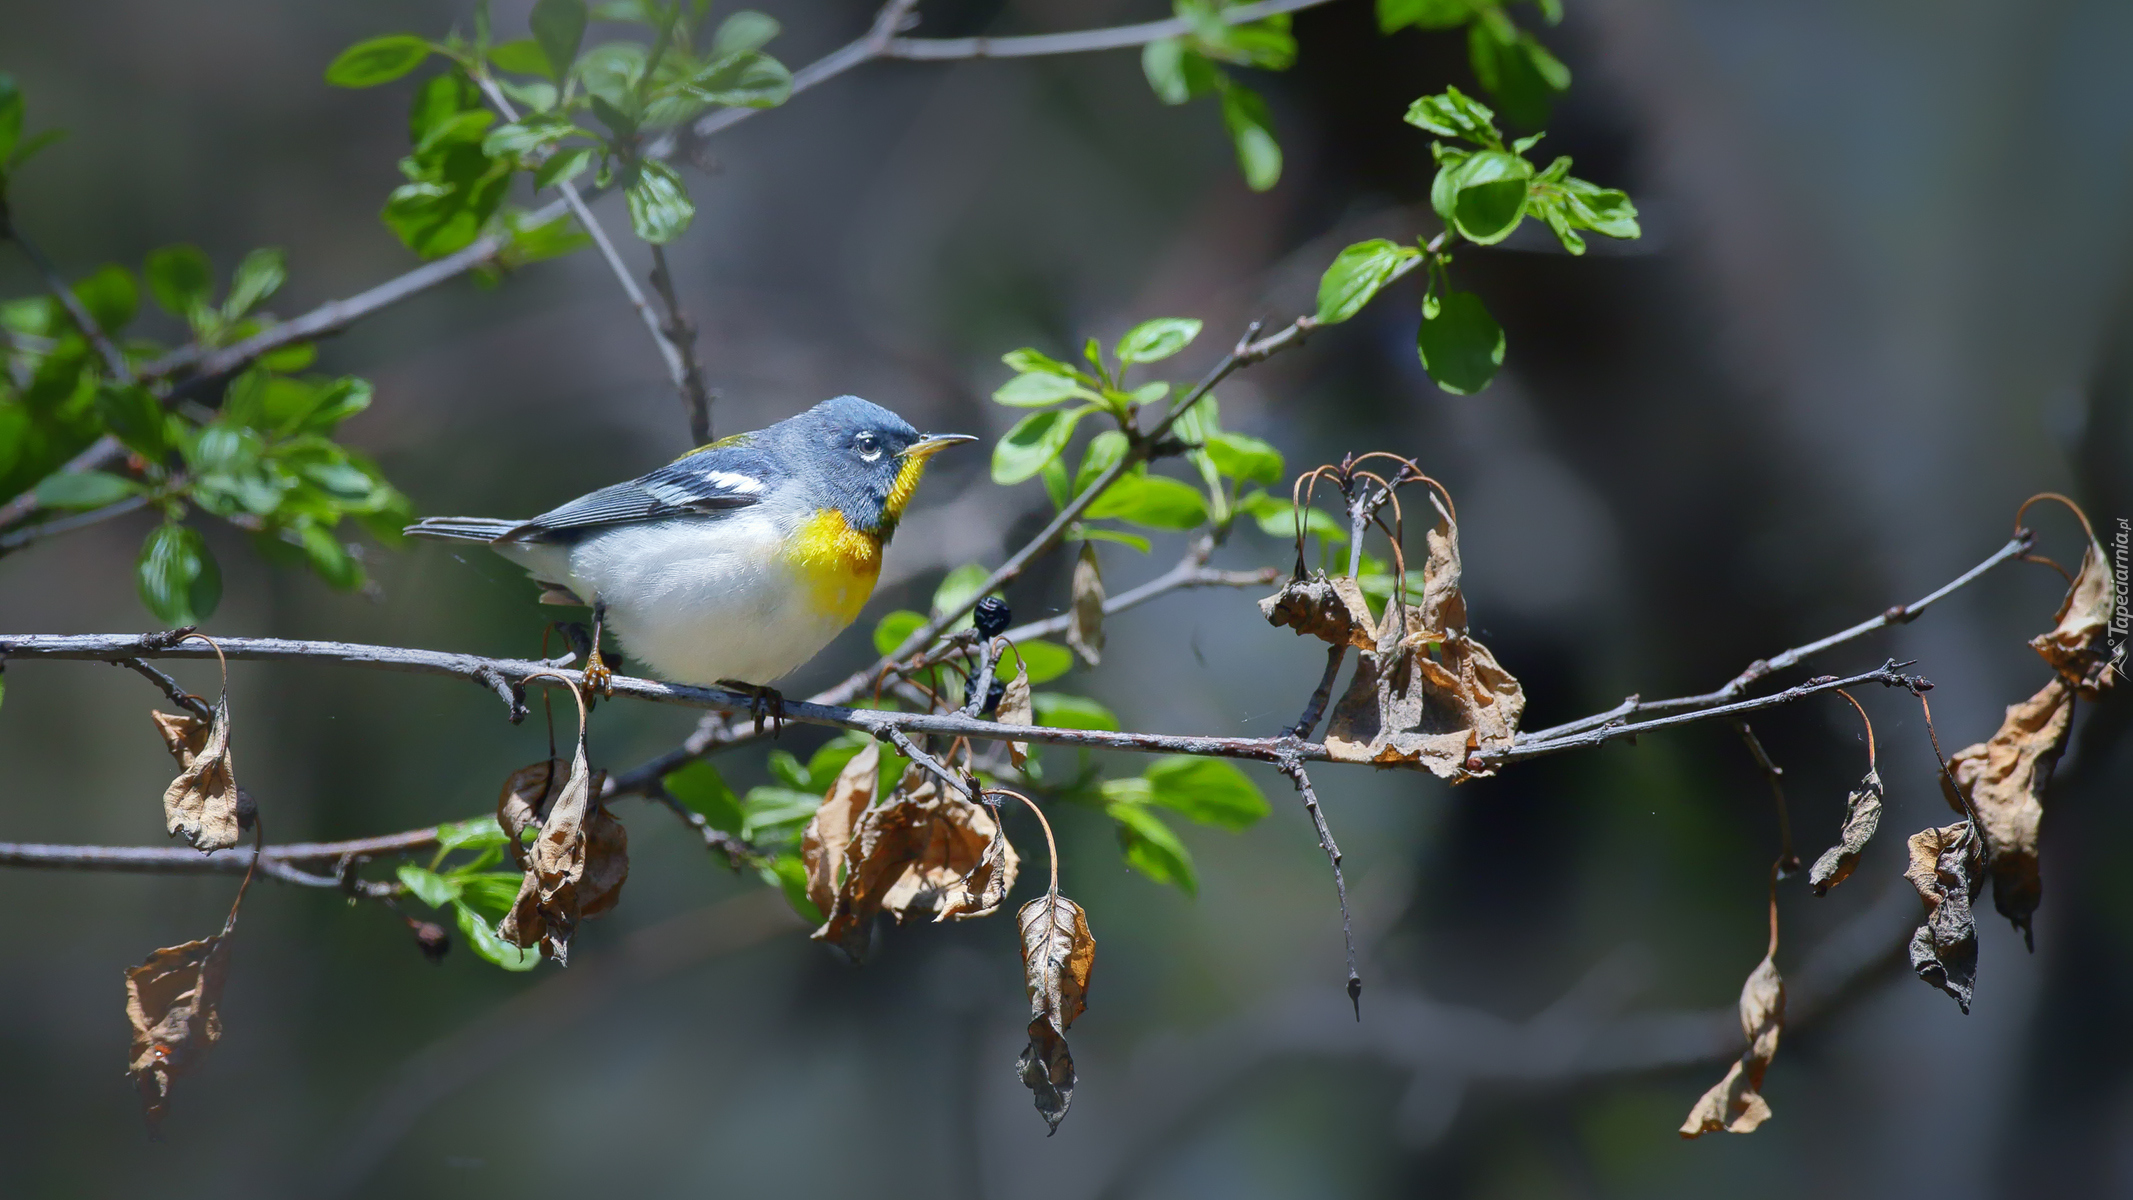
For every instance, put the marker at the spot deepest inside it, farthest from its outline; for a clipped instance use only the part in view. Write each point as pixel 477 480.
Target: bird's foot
pixel 761 699
pixel 599 677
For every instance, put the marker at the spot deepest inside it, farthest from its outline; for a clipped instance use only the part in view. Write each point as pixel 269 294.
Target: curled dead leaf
pixel 984 889
pixel 2078 646
pixel 173 1003
pixel 1944 949
pixel 1735 1103
pixel 1332 610
pixel 908 856
pixel 1424 691
pixel 1862 816
pixel 577 864
pixel 1058 953
pixel 829 832
pixel 1085 632
pixel 203 804
pixel 2005 778
pixel 1017 708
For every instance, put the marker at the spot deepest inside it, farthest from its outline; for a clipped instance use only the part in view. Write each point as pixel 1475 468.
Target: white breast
pixel 695 599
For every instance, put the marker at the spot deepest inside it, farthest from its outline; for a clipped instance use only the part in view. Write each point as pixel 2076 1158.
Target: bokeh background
pixel 1885 293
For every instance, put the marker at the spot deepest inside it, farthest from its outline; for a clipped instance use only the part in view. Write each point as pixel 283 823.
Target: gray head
pixel 863 458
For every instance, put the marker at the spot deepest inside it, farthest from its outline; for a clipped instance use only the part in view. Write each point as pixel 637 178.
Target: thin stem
pixel 1787 860
pixel 1336 654
pixel 1051 844
pixel 1292 766
pixel 114 359
pixel 16 539
pixel 1869 722
pixel 695 394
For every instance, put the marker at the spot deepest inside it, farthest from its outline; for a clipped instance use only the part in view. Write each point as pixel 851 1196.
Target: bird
pixel 736 563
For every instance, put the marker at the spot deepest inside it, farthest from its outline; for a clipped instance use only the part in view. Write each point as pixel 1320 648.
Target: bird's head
pixel 867 459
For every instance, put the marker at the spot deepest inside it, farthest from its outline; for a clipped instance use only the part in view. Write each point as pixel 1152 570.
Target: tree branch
pixel 679 333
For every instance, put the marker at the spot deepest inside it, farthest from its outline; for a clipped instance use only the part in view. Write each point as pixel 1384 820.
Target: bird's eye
pixel 868 445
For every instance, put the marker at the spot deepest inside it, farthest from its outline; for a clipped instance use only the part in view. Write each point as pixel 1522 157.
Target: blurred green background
pixel 1884 294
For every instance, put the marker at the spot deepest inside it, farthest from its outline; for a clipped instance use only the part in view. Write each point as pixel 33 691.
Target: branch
pixel 16 539
pixel 1902 614
pixel 680 334
pixel 114 359
pixel 182 860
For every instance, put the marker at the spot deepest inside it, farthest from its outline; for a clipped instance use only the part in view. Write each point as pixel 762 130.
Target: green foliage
pixel 1150 846
pixel 1183 69
pixel 700 787
pixel 379 60
pixel 1461 344
pixel 454 185
pixel 1510 63
pixel 1060 711
pixel 177 575
pixel 1356 275
pixel 660 208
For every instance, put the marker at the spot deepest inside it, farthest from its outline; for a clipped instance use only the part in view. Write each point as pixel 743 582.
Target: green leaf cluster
pixel 1209 791
pixel 1511 64
pixel 477 895
pixel 1182 69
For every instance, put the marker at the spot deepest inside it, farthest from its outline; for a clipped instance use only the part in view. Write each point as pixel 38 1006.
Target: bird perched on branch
pixel 737 562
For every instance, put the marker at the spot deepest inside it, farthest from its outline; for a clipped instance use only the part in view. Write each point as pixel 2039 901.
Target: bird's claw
pixel 761 699
pixel 599 677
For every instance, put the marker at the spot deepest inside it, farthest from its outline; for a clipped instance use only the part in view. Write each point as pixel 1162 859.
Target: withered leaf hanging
pixel 1944 949
pixel 1058 953
pixel 1085 630
pixel 1862 816
pixel 1017 707
pixel 173 1003
pixel 1332 610
pixel 202 805
pixel 1425 691
pixel 2005 778
pixel 907 857
pixel 578 861
pixel 2077 646
pixel 985 889
pixel 829 831
pixel 1735 1103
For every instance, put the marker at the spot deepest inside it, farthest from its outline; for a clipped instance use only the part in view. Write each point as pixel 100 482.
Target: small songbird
pixel 737 562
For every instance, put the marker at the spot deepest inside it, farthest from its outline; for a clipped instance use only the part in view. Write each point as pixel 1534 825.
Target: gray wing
pixel 679 489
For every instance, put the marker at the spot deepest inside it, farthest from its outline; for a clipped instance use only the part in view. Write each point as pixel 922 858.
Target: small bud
pixel 431 939
pixel 992 616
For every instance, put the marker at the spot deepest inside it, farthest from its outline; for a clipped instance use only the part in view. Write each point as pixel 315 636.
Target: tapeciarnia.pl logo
pixel 2121 596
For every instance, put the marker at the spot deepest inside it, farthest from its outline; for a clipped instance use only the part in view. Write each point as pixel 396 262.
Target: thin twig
pixel 1293 767
pixel 114 358
pixel 695 394
pixel 16 539
pixel 1901 614
pixel 1336 654
pixel 1787 860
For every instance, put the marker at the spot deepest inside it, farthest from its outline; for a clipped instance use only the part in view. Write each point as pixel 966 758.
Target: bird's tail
pixel 463 529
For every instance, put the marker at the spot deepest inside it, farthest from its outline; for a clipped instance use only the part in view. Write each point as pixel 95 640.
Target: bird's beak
pixel 933 443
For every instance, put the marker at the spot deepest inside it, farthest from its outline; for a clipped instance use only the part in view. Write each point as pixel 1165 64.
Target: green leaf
pixel 110 296
pixel 84 489
pixel 1246 458
pixel 1516 69
pixel 1026 360
pixel 893 629
pixel 1251 128
pixel 1423 14
pixel 744 30
pixel 1356 275
pixel 774 815
pixel 482 940
pixel 477 834
pixel 523 136
pixel 562 167
pixel 1152 341
pixel 1151 848
pixel 1454 114
pixel 1277 518
pixel 259 276
pixel 1058 710
pixel 179 279
pixel 136 418
pixel 699 788
pixel 1036 389
pixel 748 80
pixel 1210 791
pixel 1462 345
pixel 788 873
pixel 379 60
pixel 428 886
pixel 1105 449
pixel 958 588
pixel 1046 660
pixel 523 56
pixel 785 767
pixel 1163 62
pixel 329 558
pixel 660 208
pixel 558 27
pixel 1156 501
pixel 829 761
pixel 178 579
pixel 1488 195
pixel 1034 441
pixel 1097 533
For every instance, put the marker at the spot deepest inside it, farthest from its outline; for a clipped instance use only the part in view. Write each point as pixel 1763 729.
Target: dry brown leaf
pixel 829 831
pixel 1944 949
pixel 2077 647
pixel 172 1003
pixel 1862 816
pixel 1017 708
pixel 1424 691
pixel 1735 1104
pixel 1332 610
pixel 985 889
pixel 202 804
pixel 577 864
pixel 1085 632
pixel 1058 953
pixel 907 856
pixel 2005 779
